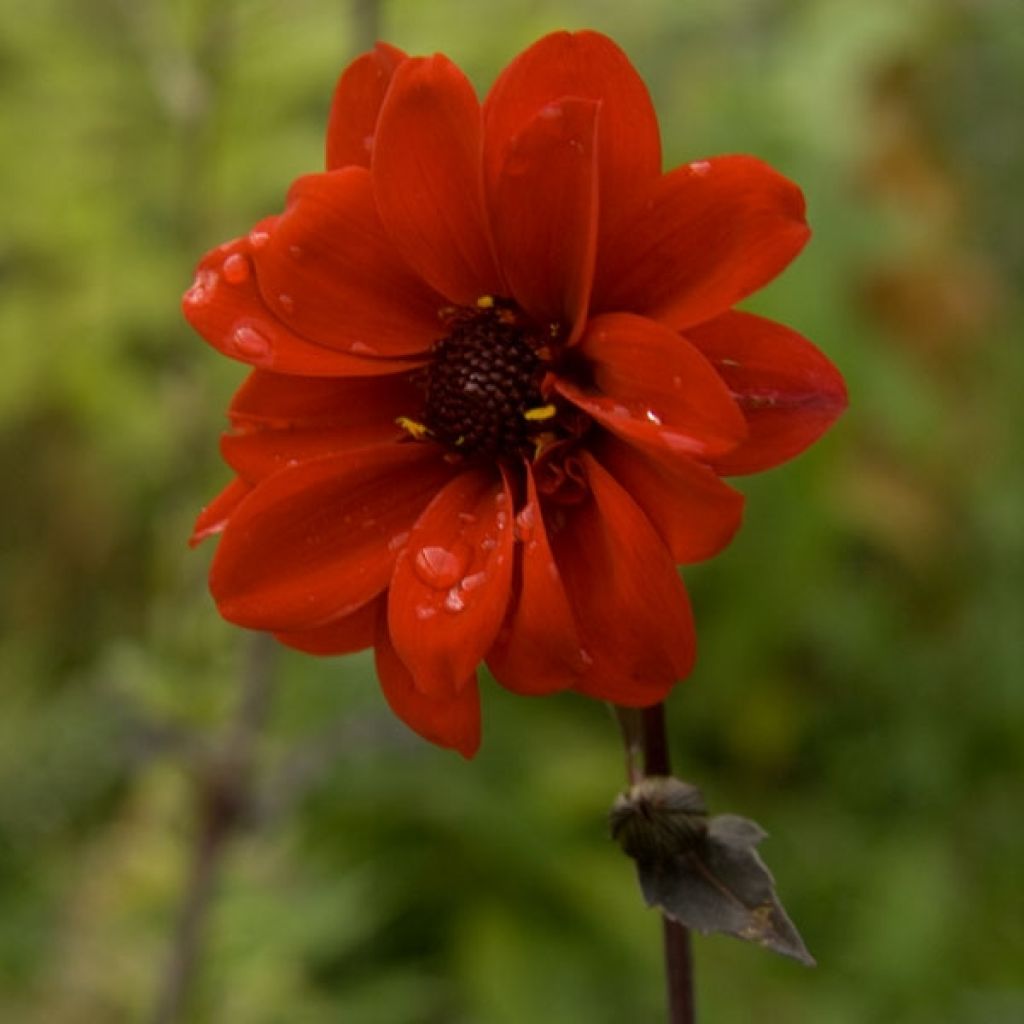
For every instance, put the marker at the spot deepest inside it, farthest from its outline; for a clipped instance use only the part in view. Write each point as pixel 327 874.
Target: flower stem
pixel 647 754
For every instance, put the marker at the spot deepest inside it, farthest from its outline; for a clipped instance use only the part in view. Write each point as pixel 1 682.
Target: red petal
pixel 427 179
pixel 315 541
pixel 451 584
pixel 356 105
pixel 226 307
pixel 544 212
pixel 331 272
pixel 589 66
pixel 693 511
pixel 266 401
pixel 655 389
pixel 452 720
pixel 354 632
pixel 711 233
pixel 630 605
pixel 538 649
pixel 214 517
pixel 280 421
pixel 788 391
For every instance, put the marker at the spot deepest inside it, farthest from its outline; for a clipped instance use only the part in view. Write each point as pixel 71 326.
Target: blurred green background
pixel 859 689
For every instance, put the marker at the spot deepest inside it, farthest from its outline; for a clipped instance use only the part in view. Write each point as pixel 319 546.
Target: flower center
pixel 483 386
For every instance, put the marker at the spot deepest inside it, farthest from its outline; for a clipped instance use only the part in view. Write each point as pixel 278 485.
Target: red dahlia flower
pixel 498 377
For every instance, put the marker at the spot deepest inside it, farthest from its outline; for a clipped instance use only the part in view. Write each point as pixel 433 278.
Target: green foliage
pixel 859 685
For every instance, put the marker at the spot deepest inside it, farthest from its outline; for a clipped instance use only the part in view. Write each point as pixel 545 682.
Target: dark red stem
pixel 676 938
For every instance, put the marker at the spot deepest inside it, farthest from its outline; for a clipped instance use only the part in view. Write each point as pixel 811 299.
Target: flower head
pixel 497 379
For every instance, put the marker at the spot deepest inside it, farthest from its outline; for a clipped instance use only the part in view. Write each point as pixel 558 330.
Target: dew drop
pixel 438 567
pixel 474 581
pixel 653 417
pixel 552 112
pixel 202 287
pixel 398 541
pixel 424 612
pixel 236 268
pixel 360 348
pixel 258 238
pixel 526 521
pixel 467 518
pixel 287 302
pixel 586 658
pixel 297 252
pixel 250 343
pixel 700 167
pixel 454 602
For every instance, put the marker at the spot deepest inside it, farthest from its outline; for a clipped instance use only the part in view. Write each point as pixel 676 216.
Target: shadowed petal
pixel 695 513
pixel 331 272
pixel 451 583
pixel 317 540
pixel 214 517
pixel 788 391
pixel 630 605
pixel 588 66
pixel 227 308
pixel 711 233
pixel 428 182
pixel 354 632
pixel 356 105
pixel 538 649
pixel 450 720
pixel 654 389
pixel 279 421
pixel 544 212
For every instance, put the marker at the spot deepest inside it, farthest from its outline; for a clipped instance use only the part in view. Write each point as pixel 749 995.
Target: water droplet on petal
pixel 438 567
pixel 258 238
pixel 467 517
pixel 360 348
pixel 249 343
pixel 552 112
pixel 653 417
pixel 700 167
pixel 586 658
pixel 297 251
pixel 287 302
pixel 202 288
pixel 526 521
pixel 424 612
pixel 454 602
pixel 398 541
pixel 236 268
pixel 473 581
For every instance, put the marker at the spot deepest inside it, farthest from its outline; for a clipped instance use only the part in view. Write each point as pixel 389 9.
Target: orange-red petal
pixel 589 66
pixel 654 389
pixel 711 233
pixel 449 720
pixel 228 310
pixel 317 540
pixel 630 605
pixel 544 212
pixel 358 97
pixel 451 583
pixel 428 182
pixel 331 272
pixel 538 648
pixel 695 513
pixel 354 632
pixel 789 392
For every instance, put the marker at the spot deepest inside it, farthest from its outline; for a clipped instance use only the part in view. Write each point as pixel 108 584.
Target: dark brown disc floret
pixel 483 393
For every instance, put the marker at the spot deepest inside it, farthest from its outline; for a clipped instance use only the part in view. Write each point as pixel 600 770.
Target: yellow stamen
pixel 485 302
pixel 417 431
pixel 540 413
